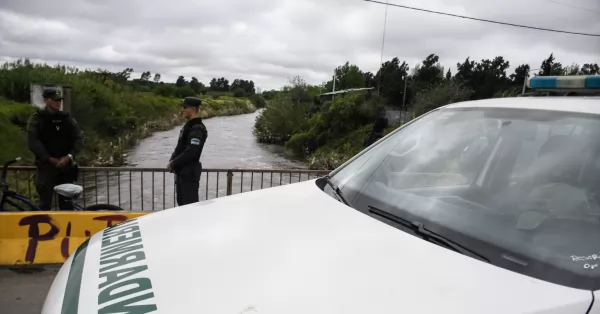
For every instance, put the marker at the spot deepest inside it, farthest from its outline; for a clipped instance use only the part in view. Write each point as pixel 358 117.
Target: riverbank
pixel 334 154
pixel 326 134
pixel 146 113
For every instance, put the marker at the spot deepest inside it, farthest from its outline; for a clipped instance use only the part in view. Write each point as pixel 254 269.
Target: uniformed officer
pixel 185 161
pixel 379 127
pixel 55 139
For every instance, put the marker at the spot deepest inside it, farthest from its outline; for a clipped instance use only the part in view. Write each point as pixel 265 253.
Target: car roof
pixel 582 104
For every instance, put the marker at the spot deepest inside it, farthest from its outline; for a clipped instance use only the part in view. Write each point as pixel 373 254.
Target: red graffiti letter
pixel 35 237
pixel 64 244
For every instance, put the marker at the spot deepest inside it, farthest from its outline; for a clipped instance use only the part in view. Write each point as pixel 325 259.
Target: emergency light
pixel 565 82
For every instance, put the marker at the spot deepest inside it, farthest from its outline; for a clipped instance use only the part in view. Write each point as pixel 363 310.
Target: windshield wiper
pixel 336 190
pixel 419 229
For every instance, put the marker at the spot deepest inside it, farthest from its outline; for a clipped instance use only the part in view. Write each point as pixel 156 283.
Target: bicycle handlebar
pixel 5 170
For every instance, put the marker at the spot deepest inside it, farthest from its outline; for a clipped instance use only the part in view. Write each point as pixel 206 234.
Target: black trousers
pixel 46 178
pixel 187 186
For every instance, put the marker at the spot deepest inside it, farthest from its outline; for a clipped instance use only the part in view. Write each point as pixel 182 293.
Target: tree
pixel 573 69
pixel 347 76
pixel 298 90
pixel 390 80
pixel 123 76
pixel 196 85
pixel 550 68
pixel 521 73
pixel 448 75
pixel 156 78
pixel 484 78
pixel 246 86
pixel 370 80
pixel 590 69
pixel 429 73
pixel 219 85
pixel 181 82
pixel 146 76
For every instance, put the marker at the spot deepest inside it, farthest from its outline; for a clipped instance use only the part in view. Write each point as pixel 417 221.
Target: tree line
pixel 486 78
pixel 329 131
pixel 148 82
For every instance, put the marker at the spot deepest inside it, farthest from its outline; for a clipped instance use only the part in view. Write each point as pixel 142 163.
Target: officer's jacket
pixel 191 141
pixel 53 135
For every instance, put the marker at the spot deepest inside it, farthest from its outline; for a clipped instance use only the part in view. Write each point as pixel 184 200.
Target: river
pixel 230 145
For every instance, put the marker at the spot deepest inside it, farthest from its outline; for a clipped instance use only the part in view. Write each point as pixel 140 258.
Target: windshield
pixel 517 186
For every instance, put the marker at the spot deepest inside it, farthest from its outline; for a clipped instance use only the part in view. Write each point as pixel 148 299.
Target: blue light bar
pixel 564 82
pixel 592 81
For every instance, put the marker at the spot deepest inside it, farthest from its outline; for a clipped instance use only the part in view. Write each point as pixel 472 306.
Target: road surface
pixel 24 293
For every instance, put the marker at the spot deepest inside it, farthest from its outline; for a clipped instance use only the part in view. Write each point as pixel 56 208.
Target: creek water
pixel 230 145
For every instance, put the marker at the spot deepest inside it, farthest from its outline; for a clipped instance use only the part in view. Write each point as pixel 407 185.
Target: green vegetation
pixel 113 111
pixel 329 132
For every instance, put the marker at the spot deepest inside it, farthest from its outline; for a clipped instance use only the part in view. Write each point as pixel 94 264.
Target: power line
pixel 588 10
pixel 484 20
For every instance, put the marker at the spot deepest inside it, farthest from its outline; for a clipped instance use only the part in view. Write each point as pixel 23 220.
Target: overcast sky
pixel 269 41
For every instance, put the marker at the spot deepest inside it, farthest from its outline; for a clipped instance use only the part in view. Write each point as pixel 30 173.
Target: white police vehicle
pixel 488 206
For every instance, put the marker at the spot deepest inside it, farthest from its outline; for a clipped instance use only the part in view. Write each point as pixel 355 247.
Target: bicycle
pixel 70 191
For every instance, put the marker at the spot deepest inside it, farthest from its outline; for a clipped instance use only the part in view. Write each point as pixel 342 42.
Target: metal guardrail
pixel 154 188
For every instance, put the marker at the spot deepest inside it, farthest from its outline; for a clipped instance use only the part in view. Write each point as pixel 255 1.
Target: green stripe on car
pixel 71 298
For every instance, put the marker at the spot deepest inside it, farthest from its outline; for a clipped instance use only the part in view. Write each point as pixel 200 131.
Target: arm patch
pixel 195 141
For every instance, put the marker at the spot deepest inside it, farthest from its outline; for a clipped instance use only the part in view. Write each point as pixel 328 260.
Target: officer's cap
pixel 52 93
pixel 191 102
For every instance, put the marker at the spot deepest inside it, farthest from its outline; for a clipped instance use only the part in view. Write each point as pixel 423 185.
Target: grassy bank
pixel 109 150
pixel 334 154
pixel 113 115
pixel 326 134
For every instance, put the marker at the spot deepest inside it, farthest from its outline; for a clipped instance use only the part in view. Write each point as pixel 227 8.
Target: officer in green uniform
pixel 185 160
pixel 55 139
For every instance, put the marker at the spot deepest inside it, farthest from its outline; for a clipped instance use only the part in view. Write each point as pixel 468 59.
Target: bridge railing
pixel 150 189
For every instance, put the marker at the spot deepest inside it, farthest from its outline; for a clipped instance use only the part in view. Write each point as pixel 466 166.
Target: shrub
pixel 448 92
pixel 239 92
pixel 258 101
pixel 166 90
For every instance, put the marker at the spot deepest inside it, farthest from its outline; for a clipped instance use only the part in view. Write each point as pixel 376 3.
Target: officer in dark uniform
pixel 185 161
pixel 55 139
pixel 379 127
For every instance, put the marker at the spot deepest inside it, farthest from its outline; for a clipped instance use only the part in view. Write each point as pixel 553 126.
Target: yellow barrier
pixel 50 237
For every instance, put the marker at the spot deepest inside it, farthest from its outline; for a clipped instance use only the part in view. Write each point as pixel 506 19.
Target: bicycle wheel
pixel 103 207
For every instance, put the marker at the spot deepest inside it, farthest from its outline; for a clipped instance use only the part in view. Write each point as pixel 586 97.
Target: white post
pixel 404 94
pixel 333 90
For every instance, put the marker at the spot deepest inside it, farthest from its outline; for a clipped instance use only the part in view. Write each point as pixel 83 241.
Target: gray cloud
pixel 270 41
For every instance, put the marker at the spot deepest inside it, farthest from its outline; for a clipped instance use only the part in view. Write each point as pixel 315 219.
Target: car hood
pixel 290 249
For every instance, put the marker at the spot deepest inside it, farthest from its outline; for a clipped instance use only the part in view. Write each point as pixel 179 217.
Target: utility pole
pixel 333 90
pixel 404 94
pixel 382 46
